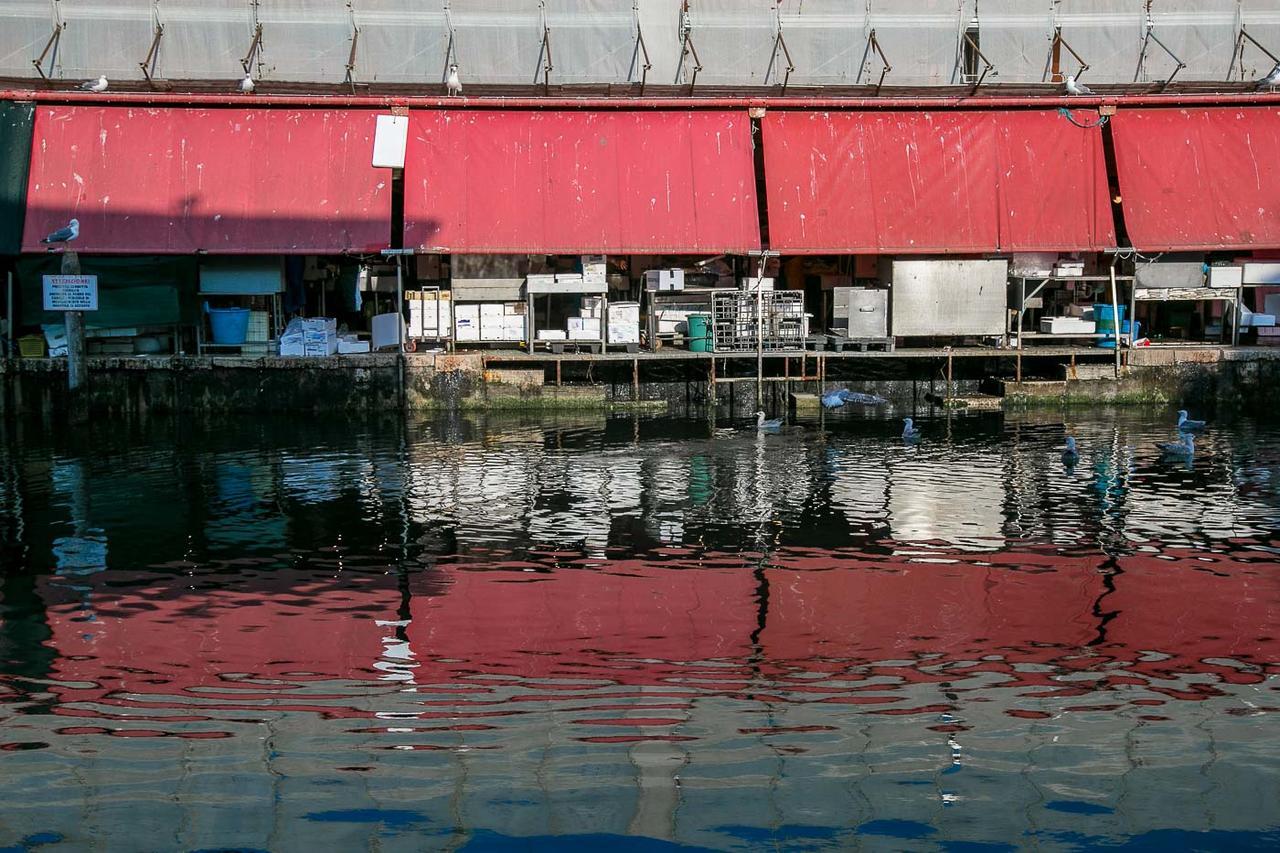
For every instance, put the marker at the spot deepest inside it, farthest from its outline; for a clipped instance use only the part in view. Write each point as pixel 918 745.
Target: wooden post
pixel 13 329
pixel 635 380
pixel 949 374
pixel 77 369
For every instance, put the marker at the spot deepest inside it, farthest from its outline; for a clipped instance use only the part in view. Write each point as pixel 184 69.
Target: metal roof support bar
pixel 51 46
pixel 986 63
pixel 1238 53
pixel 255 47
pixel 148 65
pixel 687 46
pixel 547 65
pixel 884 61
pixel 1142 57
pixel 355 43
pixel 1060 42
pixel 781 41
pixel 641 51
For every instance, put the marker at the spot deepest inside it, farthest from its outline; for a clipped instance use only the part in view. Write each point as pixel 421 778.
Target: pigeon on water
pixel 247 85
pixel 1071 455
pixel 99 85
pixel 836 399
pixel 769 426
pixel 453 84
pixel 1272 80
pixel 64 235
pixel 1074 88
pixel 1186 424
pixel 909 432
pixel 1184 449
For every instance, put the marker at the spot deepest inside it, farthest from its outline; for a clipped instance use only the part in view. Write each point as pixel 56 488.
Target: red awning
pixel 926 182
pixel 1197 179
pixel 571 182
pixel 217 180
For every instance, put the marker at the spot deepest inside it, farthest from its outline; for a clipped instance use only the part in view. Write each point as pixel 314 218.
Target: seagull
pixel 99 85
pixel 1186 424
pixel 64 235
pixel 247 85
pixel 772 425
pixel 1071 455
pixel 1074 88
pixel 1185 448
pixel 836 399
pixel 909 432
pixel 1272 80
pixel 453 84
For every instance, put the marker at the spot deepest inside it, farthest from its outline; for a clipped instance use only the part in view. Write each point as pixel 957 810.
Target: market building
pixel 750 190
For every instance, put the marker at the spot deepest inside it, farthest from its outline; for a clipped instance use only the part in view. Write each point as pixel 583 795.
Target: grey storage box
pixel 861 312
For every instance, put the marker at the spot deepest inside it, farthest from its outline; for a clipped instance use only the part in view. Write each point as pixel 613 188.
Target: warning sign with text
pixel 71 293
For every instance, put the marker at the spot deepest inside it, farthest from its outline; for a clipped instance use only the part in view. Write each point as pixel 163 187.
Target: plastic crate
pixel 31 346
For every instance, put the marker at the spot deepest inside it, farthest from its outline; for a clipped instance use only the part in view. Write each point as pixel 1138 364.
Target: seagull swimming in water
pixel 64 235
pixel 1074 88
pixel 99 85
pixel 836 399
pixel 909 432
pixel 1183 449
pixel 771 425
pixel 247 85
pixel 453 84
pixel 1272 80
pixel 1071 455
pixel 1186 424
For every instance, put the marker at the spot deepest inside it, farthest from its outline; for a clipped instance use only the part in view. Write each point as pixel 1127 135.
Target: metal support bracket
pixel 148 65
pixel 641 51
pixel 986 63
pixel 1058 43
pixel 1142 57
pixel 781 42
pixel 51 46
pixel 355 43
pixel 885 68
pixel 255 47
pixel 687 46
pixel 545 55
pixel 1237 55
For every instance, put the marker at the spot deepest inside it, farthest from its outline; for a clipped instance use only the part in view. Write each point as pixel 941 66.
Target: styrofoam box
pixel 624 312
pixel 467 328
pixel 491 309
pixel 624 333
pixel 319 324
pixel 1259 272
pixel 1226 276
pixel 1271 303
pixel 1067 326
pixel 351 346
pixel 468 311
pixel 749 283
pixel 583 335
pixel 292 348
pixel 1256 320
pixel 668 279
pixel 552 335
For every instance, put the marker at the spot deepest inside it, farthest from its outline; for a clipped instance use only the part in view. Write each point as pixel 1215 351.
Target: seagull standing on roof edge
pixel 1074 88
pixel 453 84
pixel 64 235
pixel 99 85
pixel 247 85
pixel 1272 80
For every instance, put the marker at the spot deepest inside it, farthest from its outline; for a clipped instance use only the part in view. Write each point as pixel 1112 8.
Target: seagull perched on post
pixel 1272 80
pixel 453 84
pixel 1074 88
pixel 99 85
pixel 64 235
pixel 247 85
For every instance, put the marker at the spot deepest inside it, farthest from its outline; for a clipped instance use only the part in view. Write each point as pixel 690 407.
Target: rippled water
pixel 639 634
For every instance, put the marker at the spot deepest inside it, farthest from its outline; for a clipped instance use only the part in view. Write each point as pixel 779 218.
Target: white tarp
pixel 1107 34
pixel 828 41
pixel 105 37
pixel 734 40
pixel 305 41
pixel 1017 36
pixel 1261 19
pixel 593 41
pixel 204 39
pixel 921 39
pixel 498 41
pixel 25 27
pixel 1201 33
pixel 401 41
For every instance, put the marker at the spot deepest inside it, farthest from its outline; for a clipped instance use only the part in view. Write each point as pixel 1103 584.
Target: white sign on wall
pixel 390 138
pixel 71 293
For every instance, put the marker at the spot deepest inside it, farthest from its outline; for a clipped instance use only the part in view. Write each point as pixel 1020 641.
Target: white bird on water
pixel 99 85
pixel 453 84
pixel 1071 455
pixel 66 234
pixel 1186 424
pixel 1272 80
pixel 1184 449
pixel 772 425
pixel 909 431
pixel 247 85
pixel 1075 88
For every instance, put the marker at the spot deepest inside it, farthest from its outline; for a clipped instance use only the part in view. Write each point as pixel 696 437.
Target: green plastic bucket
pixel 699 332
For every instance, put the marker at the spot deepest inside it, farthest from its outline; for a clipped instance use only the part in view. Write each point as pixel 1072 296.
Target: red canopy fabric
pixel 179 181
pixel 936 182
pixel 1197 179
pixel 571 182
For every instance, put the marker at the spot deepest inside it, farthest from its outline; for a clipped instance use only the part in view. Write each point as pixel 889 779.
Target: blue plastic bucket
pixel 229 325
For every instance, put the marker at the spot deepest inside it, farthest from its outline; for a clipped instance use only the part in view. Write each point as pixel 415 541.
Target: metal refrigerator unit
pixel 940 298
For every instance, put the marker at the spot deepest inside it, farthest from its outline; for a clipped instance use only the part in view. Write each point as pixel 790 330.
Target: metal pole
pixel 9 313
pixel 760 336
pixel 400 329
pixel 1235 327
pixel 1115 313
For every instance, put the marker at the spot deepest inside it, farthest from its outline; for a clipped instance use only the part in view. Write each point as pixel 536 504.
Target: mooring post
pixel 77 369
pixel 635 380
pixel 1115 314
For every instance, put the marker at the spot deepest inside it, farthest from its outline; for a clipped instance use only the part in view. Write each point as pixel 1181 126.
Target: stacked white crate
pixel 624 322
pixel 319 336
pixel 430 313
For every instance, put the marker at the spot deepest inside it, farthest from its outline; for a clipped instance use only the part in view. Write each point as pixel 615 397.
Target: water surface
pixel 638 634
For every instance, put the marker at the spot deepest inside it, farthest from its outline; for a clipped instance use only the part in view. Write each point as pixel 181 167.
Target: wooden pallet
pixel 839 343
